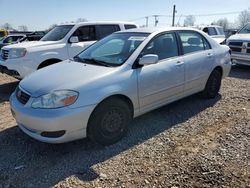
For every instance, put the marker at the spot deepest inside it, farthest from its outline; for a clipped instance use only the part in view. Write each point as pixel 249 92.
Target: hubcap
pixel 112 122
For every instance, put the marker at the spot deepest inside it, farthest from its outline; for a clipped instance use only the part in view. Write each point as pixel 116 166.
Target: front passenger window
pixel 85 33
pixel 165 46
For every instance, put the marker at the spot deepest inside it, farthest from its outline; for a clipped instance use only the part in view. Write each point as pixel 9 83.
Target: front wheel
pixel 213 85
pixel 108 123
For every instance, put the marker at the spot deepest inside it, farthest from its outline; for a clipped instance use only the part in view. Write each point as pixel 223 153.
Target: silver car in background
pixel 122 76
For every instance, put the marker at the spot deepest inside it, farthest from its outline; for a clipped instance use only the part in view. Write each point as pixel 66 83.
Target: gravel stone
pixel 190 143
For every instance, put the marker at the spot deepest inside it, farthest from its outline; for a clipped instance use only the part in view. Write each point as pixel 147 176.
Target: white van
pixel 61 43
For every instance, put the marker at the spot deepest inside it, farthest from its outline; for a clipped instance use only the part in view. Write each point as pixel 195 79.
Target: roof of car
pixel 99 22
pixel 157 29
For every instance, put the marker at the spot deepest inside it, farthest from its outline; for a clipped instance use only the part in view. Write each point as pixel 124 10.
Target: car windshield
pixel 245 29
pixel 57 33
pixel 113 50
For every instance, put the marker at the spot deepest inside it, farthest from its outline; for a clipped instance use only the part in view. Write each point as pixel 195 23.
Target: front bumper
pixel 240 59
pixel 35 122
pixel 13 73
pixel 18 68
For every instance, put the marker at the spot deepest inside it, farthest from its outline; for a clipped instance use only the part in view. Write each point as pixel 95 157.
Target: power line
pixel 183 15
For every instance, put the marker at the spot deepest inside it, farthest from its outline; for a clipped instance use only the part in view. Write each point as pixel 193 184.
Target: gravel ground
pixel 189 143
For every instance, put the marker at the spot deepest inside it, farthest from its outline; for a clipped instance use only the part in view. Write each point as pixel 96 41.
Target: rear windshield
pixel 221 31
pixel 57 33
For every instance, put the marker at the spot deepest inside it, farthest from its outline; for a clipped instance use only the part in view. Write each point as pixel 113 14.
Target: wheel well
pixel 48 62
pixel 124 98
pixel 219 69
pixel 120 97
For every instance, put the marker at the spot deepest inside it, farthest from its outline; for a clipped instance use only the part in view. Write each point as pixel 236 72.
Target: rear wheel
pixel 213 85
pixel 108 123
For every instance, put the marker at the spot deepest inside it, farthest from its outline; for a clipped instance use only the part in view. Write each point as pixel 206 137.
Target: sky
pixel 40 14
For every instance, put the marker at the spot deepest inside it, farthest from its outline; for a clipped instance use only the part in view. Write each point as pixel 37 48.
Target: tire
pixel 213 84
pixel 109 121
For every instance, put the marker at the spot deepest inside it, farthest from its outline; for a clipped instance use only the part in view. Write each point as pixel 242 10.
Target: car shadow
pixel 241 72
pixel 6 90
pixel 26 162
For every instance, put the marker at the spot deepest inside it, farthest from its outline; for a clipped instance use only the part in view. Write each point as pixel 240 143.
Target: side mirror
pixel 149 59
pixel 74 39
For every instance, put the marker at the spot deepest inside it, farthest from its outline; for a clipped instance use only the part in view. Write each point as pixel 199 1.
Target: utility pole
pixel 146 21
pixel 174 11
pixel 156 20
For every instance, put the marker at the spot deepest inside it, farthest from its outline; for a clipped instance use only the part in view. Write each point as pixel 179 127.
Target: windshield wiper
pixel 77 59
pixel 96 62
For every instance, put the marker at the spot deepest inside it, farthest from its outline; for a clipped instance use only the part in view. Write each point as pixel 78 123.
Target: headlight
pixel 56 99
pixel 17 53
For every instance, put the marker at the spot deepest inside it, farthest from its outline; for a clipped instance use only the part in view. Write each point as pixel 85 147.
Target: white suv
pixel 61 43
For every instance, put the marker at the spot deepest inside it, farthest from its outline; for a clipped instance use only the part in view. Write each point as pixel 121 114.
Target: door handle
pixel 179 63
pixel 209 54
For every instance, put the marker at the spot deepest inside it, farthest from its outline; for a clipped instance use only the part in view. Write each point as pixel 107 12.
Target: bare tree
pixel 243 18
pixel 223 22
pixel 51 27
pixel 7 26
pixel 81 20
pixel 189 20
pixel 22 28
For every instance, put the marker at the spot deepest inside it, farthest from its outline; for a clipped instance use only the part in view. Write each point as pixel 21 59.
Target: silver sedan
pixel 122 76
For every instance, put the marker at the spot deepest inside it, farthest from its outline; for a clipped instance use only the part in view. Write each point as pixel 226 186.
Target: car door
pixel 162 82
pixel 86 36
pixel 198 56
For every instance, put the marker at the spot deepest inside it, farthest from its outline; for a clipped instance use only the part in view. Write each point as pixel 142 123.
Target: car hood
pixel 243 37
pixel 68 75
pixel 30 44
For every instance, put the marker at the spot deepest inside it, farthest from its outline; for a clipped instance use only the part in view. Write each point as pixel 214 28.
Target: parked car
pixel 10 39
pixel 34 36
pixel 240 46
pixel 62 42
pixel 216 32
pixel 230 32
pixel 99 91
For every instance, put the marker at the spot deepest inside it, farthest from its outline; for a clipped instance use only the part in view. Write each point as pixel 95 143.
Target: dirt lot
pixel 190 143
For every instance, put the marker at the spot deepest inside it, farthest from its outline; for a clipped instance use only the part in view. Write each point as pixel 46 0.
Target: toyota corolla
pixel 97 93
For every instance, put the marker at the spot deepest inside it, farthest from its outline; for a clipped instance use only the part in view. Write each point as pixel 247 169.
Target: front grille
pixel 240 47
pixel 235 49
pixel 4 54
pixel 235 44
pixel 21 96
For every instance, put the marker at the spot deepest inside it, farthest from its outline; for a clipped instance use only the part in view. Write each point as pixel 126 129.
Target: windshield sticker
pixel 138 38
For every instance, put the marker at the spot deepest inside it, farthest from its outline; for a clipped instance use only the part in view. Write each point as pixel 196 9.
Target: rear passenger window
pixel 193 42
pixel 127 26
pixel 165 46
pixel 105 30
pixel 85 33
pixel 212 31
